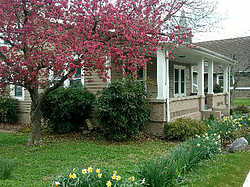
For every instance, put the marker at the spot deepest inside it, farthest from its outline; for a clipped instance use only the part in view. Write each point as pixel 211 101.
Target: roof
pixel 236 48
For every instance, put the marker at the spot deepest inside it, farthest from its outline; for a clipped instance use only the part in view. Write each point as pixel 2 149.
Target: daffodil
pixel 115 172
pixel 97 170
pixel 84 171
pixel 72 176
pixel 108 184
pixel 198 145
pixel 90 169
pixel 99 175
pixel 118 177
pixel 113 177
pixel 57 183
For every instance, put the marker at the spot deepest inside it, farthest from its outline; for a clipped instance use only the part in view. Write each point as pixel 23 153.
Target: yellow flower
pixel 113 177
pixel 84 171
pixel 74 169
pixel 99 175
pixel 131 178
pixel 118 178
pixel 57 183
pixel 115 172
pixel 108 184
pixel 72 176
pixel 97 170
pixel 90 169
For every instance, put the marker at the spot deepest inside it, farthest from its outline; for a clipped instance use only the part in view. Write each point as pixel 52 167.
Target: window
pixel 76 79
pixel 179 81
pixel 220 80
pixel 18 91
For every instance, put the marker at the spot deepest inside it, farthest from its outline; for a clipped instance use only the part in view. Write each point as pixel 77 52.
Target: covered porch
pixel 174 93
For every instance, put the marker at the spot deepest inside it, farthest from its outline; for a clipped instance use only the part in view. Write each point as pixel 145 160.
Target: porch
pixel 171 84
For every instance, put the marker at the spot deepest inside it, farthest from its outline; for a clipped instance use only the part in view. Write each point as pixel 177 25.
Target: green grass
pixel 229 170
pixel 37 166
pixel 241 101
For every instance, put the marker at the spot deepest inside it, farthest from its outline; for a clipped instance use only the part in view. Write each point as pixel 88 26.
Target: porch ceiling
pixel 196 54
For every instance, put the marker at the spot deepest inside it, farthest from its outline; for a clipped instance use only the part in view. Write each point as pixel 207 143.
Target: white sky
pixel 235 22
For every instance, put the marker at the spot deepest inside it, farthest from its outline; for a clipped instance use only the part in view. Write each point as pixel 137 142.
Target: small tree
pixel 47 40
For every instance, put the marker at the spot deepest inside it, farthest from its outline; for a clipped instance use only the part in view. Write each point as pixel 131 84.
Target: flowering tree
pixel 47 40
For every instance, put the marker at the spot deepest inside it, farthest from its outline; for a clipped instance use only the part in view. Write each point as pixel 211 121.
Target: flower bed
pixel 95 177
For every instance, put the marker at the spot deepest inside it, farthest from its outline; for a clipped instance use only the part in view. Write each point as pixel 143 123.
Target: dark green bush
pixel 6 168
pixel 241 109
pixel 183 128
pixel 122 109
pixel 8 110
pixel 218 88
pixel 67 108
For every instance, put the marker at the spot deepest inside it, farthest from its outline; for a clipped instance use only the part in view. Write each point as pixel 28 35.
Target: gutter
pixel 202 49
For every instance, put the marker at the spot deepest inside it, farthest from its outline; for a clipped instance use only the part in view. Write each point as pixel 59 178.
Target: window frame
pixel 179 68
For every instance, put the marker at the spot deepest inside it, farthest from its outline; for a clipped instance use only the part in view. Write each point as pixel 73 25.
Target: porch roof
pixel 195 54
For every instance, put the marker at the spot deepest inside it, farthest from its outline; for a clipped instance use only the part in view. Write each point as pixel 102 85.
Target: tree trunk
pixel 36 117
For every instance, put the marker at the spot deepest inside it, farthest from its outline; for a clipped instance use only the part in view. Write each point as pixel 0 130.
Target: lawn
pixel 241 101
pixel 229 170
pixel 37 166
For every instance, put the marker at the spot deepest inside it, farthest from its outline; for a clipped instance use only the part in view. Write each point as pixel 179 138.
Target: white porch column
pixel 210 77
pixel 225 80
pixel 201 78
pixel 192 78
pixel 161 74
pixel 229 87
pixel 163 78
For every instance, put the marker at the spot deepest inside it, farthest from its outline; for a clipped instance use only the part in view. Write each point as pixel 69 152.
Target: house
pixel 239 49
pixel 170 84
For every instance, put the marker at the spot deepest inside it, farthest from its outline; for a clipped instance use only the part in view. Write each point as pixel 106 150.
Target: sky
pixel 235 21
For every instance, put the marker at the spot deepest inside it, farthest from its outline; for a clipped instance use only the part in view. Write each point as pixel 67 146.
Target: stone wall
pixel 158 117
pixel 185 107
pixel 219 102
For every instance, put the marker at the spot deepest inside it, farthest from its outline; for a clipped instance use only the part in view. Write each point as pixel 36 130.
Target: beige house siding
pixel 94 83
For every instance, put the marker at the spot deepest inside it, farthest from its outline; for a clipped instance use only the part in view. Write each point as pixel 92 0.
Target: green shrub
pixel 153 171
pixel 8 110
pixel 122 109
pixel 170 169
pixel 230 127
pixel 241 109
pixel 183 128
pixel 95 177
pixel 6 168
pixel 67 108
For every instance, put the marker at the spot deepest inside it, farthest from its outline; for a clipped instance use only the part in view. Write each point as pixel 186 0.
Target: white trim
pixel 241 88
pixel 179 81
